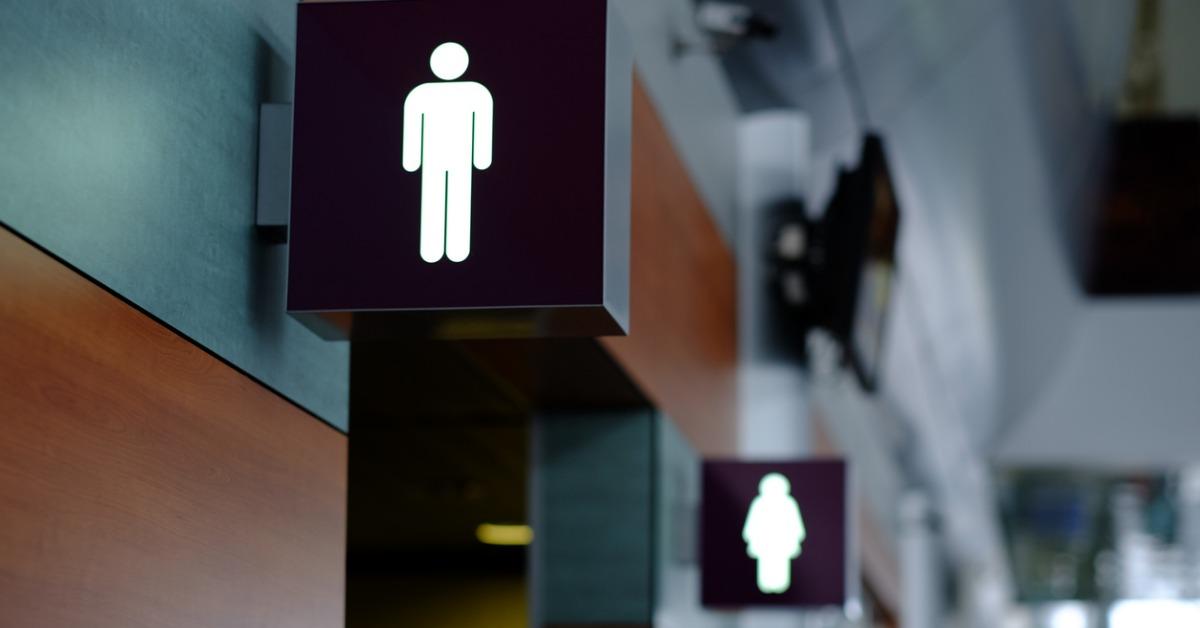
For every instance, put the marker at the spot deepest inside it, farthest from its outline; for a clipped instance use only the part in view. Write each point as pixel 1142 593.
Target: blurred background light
pixel 500 534
pixel 1156 613
pixel 1068 615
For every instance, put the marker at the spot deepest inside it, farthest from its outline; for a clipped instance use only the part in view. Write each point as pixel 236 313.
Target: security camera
pixel 723 25
pixel 732 20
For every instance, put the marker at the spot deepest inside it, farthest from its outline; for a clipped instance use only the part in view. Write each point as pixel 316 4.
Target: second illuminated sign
pixel 776 534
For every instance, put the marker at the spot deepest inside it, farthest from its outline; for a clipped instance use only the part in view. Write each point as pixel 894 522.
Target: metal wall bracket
pixel 273 209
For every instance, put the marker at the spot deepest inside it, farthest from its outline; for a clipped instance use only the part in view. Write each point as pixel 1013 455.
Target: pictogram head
pixel 449 61
pixel 774 484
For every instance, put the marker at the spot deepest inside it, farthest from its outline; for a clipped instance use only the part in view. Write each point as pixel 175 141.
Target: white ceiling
pixel 993 112
pixel 1124 392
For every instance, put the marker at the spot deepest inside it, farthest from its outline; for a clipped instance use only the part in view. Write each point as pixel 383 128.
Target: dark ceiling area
pixel 441 442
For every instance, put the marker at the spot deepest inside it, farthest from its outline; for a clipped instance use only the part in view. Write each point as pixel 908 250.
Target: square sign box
pixel 460 169
pixel 776 534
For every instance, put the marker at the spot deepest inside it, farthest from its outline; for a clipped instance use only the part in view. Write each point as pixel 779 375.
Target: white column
pixel 919 571
pixel 772 413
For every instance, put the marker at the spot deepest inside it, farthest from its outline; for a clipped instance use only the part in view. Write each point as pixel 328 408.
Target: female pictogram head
pixel 774 484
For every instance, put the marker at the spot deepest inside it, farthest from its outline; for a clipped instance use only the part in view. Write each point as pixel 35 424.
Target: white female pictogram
pixel 773 533
pixel 447 131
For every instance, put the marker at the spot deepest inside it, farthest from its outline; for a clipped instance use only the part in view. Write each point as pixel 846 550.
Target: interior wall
pixel 682 343
pixel 145 483
pixel 592 510
pixel 130 135
pixel 615 504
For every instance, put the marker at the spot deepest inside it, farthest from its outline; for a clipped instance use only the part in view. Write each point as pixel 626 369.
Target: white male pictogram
pixel 773 533
pixel 447 131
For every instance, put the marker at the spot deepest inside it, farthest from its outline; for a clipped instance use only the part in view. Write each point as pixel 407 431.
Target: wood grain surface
pixel 682 345
pixel 144 483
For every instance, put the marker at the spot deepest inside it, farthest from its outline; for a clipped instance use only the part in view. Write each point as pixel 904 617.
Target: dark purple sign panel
pixel 463 157
pixel 774 534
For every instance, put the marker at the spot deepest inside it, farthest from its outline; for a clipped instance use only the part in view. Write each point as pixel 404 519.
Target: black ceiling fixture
pixel 1142 236
pixel 837 273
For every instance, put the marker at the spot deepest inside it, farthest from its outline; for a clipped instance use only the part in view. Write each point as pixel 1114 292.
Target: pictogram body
pixel 773 533
pixel 447 135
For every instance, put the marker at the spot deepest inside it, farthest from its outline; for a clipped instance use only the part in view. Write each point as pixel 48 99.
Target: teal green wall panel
pixel 593 513
pixel 128 147
pixel 677 530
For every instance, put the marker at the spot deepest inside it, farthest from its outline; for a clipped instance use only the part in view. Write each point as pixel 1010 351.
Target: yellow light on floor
pixel 497 534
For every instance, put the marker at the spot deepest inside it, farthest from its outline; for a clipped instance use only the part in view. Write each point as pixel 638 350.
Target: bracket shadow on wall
pixel 429 186
pixel 274 172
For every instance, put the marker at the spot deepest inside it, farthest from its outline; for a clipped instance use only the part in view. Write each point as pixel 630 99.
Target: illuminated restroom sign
pixel 460 168
pixel 776 534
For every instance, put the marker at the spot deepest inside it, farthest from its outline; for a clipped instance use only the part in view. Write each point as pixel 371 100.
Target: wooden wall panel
pixel 682 345
pixel 143 483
